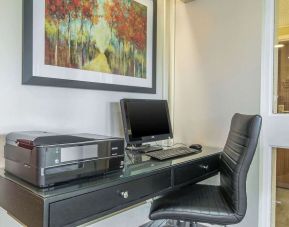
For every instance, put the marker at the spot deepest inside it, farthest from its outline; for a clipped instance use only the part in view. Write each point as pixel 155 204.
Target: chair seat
pixel 195 203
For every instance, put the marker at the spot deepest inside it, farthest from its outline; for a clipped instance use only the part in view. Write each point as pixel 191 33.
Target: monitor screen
pixel 146 120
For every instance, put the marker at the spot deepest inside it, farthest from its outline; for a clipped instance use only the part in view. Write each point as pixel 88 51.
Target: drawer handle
pixel 124 194
pixel 206 167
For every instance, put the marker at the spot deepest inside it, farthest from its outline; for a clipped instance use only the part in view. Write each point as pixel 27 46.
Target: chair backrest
pixel 236 160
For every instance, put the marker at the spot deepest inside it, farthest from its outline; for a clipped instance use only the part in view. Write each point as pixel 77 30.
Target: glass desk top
pixel 136 165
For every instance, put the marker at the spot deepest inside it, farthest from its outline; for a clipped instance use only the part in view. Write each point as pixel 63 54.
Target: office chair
pixel 221 205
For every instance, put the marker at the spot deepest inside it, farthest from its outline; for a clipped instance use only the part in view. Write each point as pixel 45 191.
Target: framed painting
pixel 90 44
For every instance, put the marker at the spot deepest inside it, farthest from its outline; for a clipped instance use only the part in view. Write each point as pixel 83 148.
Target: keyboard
pixel 148 149
pixel 172 153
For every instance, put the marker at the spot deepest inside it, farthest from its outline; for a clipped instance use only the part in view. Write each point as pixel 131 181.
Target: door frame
pixel 274 134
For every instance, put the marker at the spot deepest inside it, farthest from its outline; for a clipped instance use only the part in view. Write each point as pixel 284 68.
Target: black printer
pixel 44 159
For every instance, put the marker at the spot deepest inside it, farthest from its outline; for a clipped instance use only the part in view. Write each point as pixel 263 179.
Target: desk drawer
pixel 188 173
pixel 74 209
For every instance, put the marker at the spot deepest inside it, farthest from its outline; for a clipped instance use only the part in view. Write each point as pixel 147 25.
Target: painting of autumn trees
pixel 107 36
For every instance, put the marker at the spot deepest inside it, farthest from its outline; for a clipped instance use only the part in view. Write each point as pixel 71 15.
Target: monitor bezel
pixel 145 139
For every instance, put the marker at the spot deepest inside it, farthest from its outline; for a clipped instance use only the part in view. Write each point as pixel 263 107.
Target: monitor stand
pixel 145 148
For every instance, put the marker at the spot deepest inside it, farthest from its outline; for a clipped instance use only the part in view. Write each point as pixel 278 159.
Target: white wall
pixel 55 109
pixel 218 49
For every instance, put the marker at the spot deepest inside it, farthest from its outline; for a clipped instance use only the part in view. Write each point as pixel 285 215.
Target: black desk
pixel 78 202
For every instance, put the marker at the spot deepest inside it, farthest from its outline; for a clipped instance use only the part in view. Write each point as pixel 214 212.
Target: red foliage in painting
pixel 130 24
pixel 139 24
pixel 114 13
pixel 87 10
pixel 76 3
pixel 137 32
pixel 57 9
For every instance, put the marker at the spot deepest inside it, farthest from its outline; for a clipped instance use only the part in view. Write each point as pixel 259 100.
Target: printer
pixel 45 159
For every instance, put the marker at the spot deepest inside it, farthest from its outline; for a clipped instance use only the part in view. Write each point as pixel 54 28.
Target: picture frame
pixel 126 64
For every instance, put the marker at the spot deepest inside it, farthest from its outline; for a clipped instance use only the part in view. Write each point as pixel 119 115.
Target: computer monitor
pixel 145 120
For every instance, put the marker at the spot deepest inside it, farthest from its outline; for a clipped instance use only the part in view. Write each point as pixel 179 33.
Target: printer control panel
pixel 67 154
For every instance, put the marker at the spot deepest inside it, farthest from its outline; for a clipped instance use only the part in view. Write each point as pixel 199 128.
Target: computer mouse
pixel 196 146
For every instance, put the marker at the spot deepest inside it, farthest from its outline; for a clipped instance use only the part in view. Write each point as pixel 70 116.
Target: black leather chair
pixel 225 204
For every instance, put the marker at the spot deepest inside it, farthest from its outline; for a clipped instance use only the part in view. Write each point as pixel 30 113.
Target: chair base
pixel 172 223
